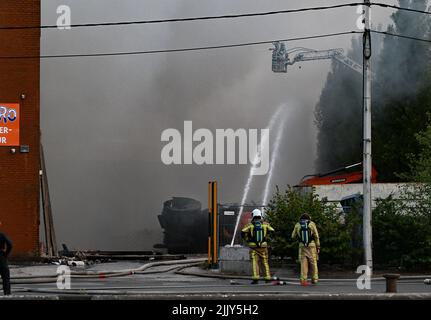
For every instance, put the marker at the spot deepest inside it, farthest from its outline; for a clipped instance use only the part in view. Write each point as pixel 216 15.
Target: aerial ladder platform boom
pixel 281 59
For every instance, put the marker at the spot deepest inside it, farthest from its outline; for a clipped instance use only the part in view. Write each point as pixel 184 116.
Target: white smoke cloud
pixel 102 117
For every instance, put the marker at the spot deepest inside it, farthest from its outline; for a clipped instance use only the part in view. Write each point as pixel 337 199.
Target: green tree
pixel 338 115
pixel 420 163
pixel 284 212
pixel 401 97
pixel 402 230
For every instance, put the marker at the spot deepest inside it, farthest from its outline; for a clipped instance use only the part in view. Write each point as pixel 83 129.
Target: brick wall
pixel 19 172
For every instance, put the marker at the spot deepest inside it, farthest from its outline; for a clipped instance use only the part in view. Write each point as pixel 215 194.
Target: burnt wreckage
pixel 186 225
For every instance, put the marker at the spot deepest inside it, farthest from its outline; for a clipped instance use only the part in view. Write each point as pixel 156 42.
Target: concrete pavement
pixel 165 283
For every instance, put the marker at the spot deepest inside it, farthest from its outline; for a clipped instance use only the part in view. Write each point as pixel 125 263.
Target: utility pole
pixel 367 162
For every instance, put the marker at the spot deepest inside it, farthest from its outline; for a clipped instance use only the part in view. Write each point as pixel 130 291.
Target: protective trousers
pixel 259 256
pixel 308 255
pixel 5 275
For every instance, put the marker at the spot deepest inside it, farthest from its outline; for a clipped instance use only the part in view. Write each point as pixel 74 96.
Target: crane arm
pixel 348 62
pixel 315 55
pixel 280 57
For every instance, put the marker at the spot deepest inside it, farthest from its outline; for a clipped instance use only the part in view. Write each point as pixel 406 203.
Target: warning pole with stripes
pixel 212 225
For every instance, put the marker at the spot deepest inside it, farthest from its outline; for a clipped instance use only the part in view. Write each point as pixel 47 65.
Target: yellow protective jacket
pixel 297 234
pixel 248 231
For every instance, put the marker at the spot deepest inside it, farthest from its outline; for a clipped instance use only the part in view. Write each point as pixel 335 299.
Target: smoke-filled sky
pixel 102 118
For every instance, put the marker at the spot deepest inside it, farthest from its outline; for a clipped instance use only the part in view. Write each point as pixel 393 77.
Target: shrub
pixel 402 230
pixel 335 231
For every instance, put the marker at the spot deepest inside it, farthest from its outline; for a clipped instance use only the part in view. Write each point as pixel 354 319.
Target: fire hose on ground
pixel 426 278
pixel 179 266
pixel 104 274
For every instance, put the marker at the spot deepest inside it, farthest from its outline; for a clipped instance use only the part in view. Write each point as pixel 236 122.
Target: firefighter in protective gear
pixel 255 234
pixel 306 233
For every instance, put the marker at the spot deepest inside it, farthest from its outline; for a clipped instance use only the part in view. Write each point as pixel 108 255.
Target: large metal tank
pixel 185 226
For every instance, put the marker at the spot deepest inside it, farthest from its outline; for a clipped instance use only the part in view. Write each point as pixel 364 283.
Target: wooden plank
pixel 51 242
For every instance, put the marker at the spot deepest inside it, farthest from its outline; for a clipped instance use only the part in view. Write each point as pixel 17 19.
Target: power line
pixel 244 44
pixel 229 16
pixel 402 36
pixel 400 8
pixel 236 45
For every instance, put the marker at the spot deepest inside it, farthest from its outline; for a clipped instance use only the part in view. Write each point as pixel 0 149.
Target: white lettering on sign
pixel 9 124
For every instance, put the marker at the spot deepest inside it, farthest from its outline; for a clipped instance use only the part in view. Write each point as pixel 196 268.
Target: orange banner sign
pixel 9 124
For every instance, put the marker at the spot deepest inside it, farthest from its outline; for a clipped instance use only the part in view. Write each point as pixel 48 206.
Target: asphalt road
pixel 172 283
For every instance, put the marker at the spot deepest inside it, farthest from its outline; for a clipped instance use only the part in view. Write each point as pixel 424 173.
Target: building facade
pixel 20 125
